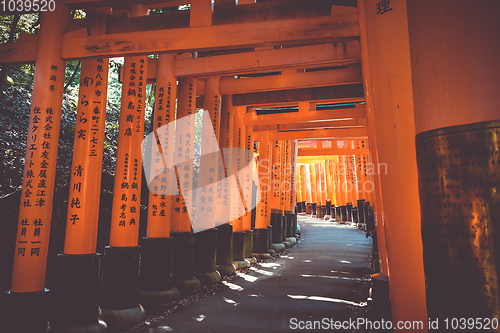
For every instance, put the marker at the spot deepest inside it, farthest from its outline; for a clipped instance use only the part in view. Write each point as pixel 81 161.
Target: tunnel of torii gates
pixel 357 111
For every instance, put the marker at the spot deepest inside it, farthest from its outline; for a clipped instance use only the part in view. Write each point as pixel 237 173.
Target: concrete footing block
pixel 251 260
pixel 159 298
pixel 278 247
pixel 241 264
pixel 291 240
pixel 120 320
pixel 120 288
pixel 226 270
pixel 262 256
pixel 209 278
pixel 187 286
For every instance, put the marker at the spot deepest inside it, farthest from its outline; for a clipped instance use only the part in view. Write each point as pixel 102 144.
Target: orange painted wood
pixel 33 231
pixel 329 54
pixel 286 186
pixel 305 115
pixel 330 124
pixel 275 194
pixel 325 152
pixel 299 183
pixel 206 205
pixel 308 56
pixel 344 76
pixel 314 183
pixel 212 37
pixel 238 133
pixel 247 182
pixel 85 184
pixel 293 174
pixel 180 220
pixel 328 181
pixel 263 210
pixel 338 133
pixel 391 112
pixel 201 13
pixel 227 141
pixel 19 52
pixel 128 172
pixel 308 184
pixel 160 205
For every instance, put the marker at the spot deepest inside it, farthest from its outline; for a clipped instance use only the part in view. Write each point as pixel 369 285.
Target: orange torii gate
pixel 388 118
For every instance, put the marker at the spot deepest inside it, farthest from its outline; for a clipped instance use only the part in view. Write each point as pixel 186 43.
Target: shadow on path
pixel 325 278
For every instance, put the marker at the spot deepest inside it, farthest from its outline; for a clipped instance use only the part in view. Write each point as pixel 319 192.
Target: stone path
pixel 325 276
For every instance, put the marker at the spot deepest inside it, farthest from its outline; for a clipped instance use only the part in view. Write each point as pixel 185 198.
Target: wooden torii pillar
pixel 457 126
pixel 205 255
pixel 121 264
pixel 239 229
pixel 249 196
pixel 181 228
pixel 275 202
pixel 225 231
pixel 28 293
pixel 76 285
pixel 157 246
pixel 262 231
pixel 390 111
pixel 75 291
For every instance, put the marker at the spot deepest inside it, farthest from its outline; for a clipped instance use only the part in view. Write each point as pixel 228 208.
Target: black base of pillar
pixel 289 223
pixel 24 312
pixel 156 272
pixel 261 243
pixel 277 225
pixel 313 208
pixel 224 261
pixel 205 257
pixel 294 225
pixel 284 228
pixel 337 214
pixel 329 207
pixel 249 246
pixel 75 293
pixel 354 212
pixel 361 211
pixel 308 208
pixel 270 240
pixel 120 287
pixel 239 250
pixel 343 214
pixel 380 296
pixel 183 263
pixel 349 212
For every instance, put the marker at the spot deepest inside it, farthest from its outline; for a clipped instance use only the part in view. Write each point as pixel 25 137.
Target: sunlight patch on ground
pixel 328 299
pixel 247 277
pixel 232 286
pixel 230 301
pixel 270 264
pixel 261 271
pixel 199 318
pixel 286 257
pixel 331 277
pixel 345 262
